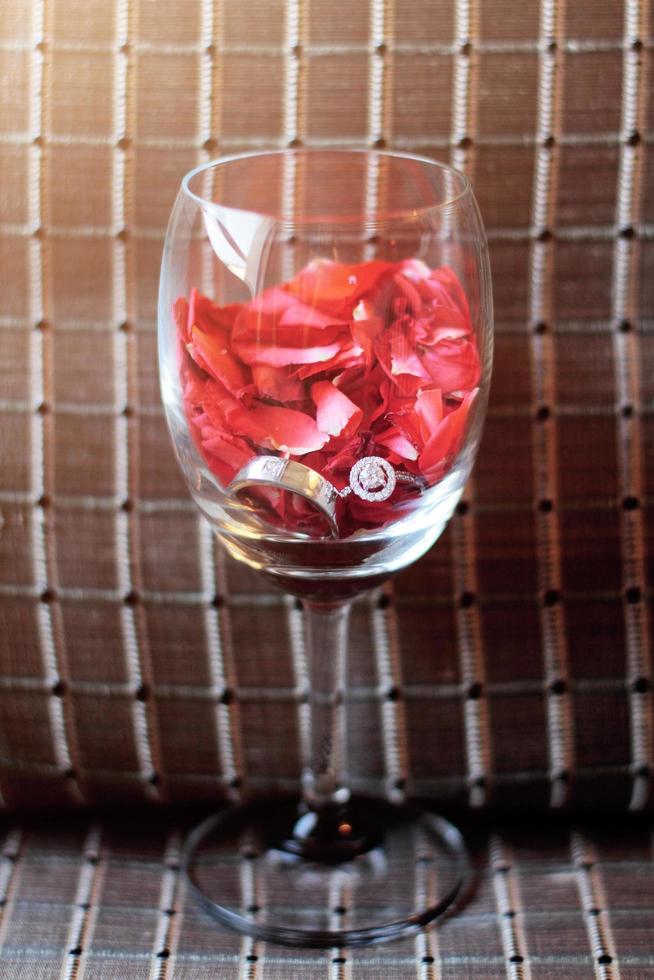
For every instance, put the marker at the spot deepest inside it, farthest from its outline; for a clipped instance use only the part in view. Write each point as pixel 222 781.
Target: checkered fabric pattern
pixel 514 662
pixel 105 900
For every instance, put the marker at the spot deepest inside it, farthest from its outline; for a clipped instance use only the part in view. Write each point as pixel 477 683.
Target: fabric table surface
pixel 102 897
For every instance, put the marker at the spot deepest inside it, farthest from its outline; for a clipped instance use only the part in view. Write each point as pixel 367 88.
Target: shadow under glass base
pixel 261 872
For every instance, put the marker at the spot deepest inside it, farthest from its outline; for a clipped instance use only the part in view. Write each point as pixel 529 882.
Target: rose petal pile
pixel 344 361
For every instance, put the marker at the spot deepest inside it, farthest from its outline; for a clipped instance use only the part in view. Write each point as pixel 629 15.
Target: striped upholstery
pixel 513 664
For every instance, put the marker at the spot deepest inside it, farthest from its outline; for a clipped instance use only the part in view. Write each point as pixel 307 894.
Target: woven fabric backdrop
pixel 514 662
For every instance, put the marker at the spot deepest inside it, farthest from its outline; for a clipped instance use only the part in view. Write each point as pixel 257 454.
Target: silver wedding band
pixel 287 474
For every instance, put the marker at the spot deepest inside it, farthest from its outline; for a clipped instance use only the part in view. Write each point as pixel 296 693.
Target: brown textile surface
pixel 514 662
pixel 105 899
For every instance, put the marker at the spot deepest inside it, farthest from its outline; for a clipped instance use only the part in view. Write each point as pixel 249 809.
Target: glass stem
pixel 324 781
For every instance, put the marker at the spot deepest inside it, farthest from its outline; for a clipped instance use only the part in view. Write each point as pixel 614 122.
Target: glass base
pixel 261 871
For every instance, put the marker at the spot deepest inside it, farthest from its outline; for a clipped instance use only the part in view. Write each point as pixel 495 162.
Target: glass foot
pixel 262 871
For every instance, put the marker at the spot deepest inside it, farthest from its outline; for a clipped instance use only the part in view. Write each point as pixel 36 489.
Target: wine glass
pixel 325 337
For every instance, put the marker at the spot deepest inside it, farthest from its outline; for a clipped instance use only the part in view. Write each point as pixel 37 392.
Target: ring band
pixel 287 474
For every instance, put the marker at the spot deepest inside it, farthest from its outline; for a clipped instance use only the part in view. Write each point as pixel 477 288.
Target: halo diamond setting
pixel 372 478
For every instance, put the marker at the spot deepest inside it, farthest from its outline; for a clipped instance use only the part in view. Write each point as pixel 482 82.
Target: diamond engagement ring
pixel 372 478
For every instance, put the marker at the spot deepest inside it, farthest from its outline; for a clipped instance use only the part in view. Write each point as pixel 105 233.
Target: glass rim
pixel 378 219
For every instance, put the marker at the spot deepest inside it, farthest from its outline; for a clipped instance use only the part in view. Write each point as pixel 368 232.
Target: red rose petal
pixel 386 389
pixel 452 365
pixel 220 408
pixel 404 358
pixel 258 338
pixel 269 426
pixel 363 513
pixel 317 460
pixel 285 429
pixel 233 453
pixel 336 414
pixel 395 348
pixel 397 443
pixel 203 313
pixel 439 285
pixel 299 315
pixel 362 386
pixel 438 317
pixel 345 357
pixel 414 269
pixel 277 383
pixel 408 423
pixel 194 386
pixel 334 286
pixel 340 463
pixel 428 335
pixel 273 302
pixel 253 353
pixel 443 301
pixel 180 315
pixel 446 440
pixel 429 409
pixel 365 328
pixel 449 279
pixel 211 352
pixel 411 296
